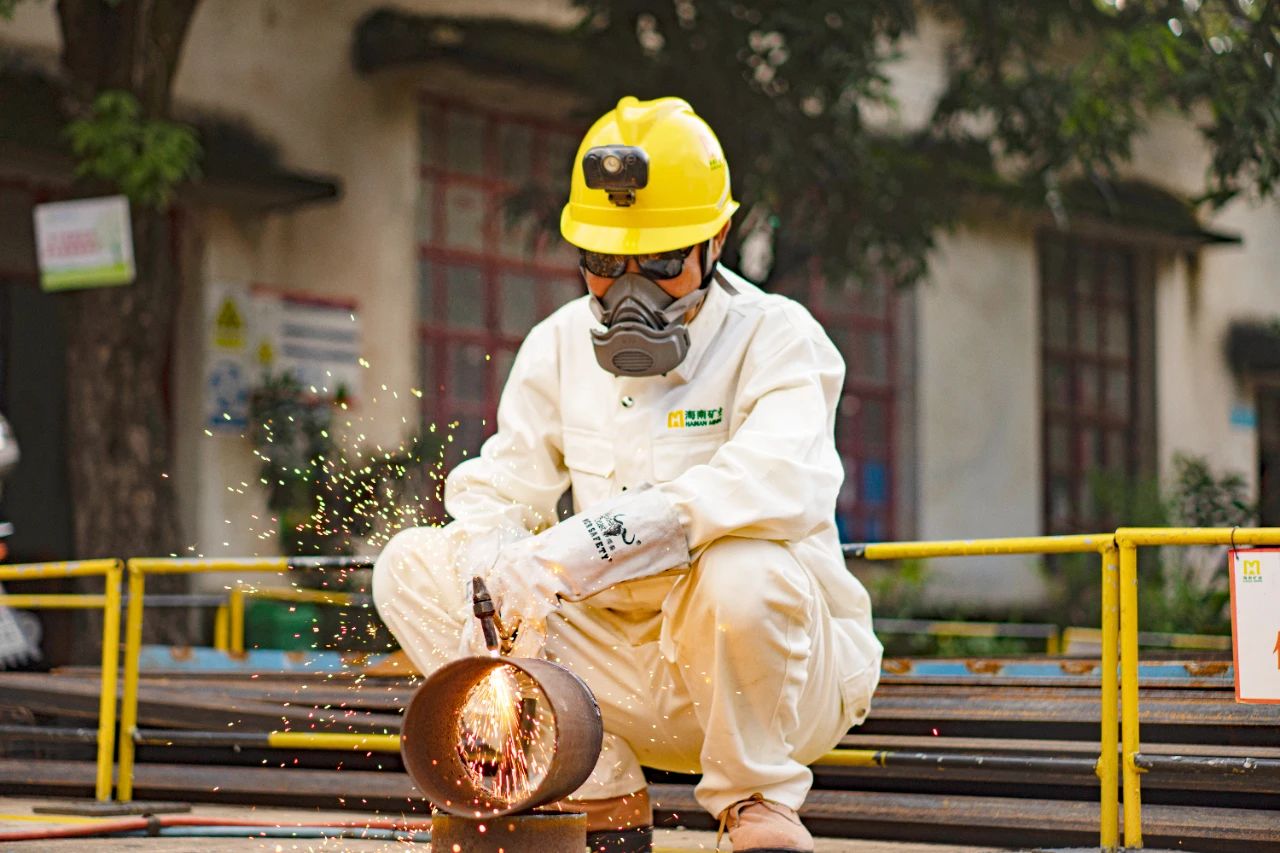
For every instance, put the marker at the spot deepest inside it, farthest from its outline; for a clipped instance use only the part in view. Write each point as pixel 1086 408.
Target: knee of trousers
pixel 746 582
pixel 413 570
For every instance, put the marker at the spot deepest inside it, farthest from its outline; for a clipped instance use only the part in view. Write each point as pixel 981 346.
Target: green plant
pixel 1180 590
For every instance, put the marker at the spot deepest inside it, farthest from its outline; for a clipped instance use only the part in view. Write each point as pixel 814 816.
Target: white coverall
pixel 756 658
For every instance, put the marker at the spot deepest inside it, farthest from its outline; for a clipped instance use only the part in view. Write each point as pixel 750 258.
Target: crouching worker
pixel 700 590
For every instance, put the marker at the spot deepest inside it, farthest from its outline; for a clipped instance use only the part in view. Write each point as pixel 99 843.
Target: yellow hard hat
pixel 681 199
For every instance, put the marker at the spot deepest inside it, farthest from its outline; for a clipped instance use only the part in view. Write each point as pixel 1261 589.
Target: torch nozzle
pixel 483 607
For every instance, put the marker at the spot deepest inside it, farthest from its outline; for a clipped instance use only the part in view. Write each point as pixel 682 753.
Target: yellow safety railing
pixel 231 623
pixel 109 601
pixel 1103 544
pixel 1116 766
pixel 1128 540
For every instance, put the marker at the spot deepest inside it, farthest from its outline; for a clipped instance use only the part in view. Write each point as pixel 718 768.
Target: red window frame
pixel 1097 379
pixel 466 413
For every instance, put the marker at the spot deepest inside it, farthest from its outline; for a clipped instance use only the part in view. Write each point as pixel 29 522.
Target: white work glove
pixel 634 535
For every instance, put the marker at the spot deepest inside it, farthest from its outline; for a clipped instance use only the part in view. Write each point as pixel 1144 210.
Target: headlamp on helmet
pixel 619 170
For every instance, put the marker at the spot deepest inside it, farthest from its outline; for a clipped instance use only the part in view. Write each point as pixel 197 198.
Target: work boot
pixel 617 824
pixel 757 825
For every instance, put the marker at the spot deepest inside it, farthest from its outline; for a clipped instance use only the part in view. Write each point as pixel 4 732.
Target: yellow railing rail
pixel 109 602
pixel 1103 544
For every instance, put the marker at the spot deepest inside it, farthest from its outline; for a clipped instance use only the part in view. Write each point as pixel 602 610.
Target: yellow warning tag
pixel 228 326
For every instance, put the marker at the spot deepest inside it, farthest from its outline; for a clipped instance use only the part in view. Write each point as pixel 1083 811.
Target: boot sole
pixel 637 840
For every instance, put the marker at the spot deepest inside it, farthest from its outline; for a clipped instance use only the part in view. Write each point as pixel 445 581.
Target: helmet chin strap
pixel 708 265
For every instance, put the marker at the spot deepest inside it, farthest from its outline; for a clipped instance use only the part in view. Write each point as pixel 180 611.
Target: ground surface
pixel 16 815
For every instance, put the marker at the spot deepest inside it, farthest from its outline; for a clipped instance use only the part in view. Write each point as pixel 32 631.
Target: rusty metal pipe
pixel 429 736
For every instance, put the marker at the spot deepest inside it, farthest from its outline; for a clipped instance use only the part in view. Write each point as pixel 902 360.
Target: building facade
pixel 978 404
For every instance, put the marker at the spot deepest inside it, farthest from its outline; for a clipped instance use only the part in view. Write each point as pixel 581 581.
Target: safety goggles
pixel 659 265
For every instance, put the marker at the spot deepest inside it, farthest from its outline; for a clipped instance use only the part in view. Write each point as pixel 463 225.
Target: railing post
pixel 235 604
pixel 221 628
pixel 1129 690
pixel 1109 757
pixel 110 670
pixel 129 702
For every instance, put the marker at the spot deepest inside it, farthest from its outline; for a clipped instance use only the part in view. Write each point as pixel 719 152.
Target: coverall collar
pixel 705 325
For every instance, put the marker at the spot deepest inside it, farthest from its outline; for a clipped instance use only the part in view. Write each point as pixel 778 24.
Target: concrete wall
pixel 1198 297
pixel 979 410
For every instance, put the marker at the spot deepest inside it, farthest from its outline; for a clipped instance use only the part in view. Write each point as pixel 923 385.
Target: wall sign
pixel 84 243
pixel 1255 624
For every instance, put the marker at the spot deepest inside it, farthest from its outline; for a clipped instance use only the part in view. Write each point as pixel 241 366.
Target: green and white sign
pixel 84 243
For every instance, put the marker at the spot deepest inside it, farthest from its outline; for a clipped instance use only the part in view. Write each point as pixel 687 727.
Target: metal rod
pixel 370 742
pixel 49 734
pixel 53 601
pixel 72 569
pixel 129 701
pixel 1217 765
pixel 1129 692
pixel 1079 544
pixel 110 671
pixel 1026 631
pixel 1109 755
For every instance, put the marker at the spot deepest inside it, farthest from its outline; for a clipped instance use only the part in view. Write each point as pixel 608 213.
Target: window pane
pixel 865 353
pixel 515 149
pixel 1057 383
pixel 1117 332
pixel 464 217
pixel 1089 387
pixel 466 297
pixel 1057 319
pixel 517 235
pixel 427 370
pixel 565 290
pixel 1090 450
pixel 1117 451
pixel 559 150
pixel 1085 271
pixel 469 374
pixel 1060 448
pixel 1059 502
pixel 1118 394
pixel 517 307
pixel 426 210
pixel 426 290
pixel 1087 319
pixel 502 361
pixel 1053 259
pixel 875 422
pixel 465 143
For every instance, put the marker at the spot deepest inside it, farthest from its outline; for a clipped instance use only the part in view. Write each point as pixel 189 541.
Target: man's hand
pixel 634 535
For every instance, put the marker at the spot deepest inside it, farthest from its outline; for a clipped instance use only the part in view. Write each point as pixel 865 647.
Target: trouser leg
pixel 425 604
pixel 754 652
pixel 420 597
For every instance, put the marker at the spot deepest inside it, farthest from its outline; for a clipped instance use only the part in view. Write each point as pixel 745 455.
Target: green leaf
pixel 145 158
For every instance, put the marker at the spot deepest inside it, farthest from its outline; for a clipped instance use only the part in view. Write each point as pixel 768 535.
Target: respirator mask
pixel 645 332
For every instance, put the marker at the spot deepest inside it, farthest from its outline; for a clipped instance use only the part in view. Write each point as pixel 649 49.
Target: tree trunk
pixel 120 337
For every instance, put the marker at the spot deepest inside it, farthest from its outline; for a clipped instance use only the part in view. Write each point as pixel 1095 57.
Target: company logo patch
pixel 1252 572
pixel 686 418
